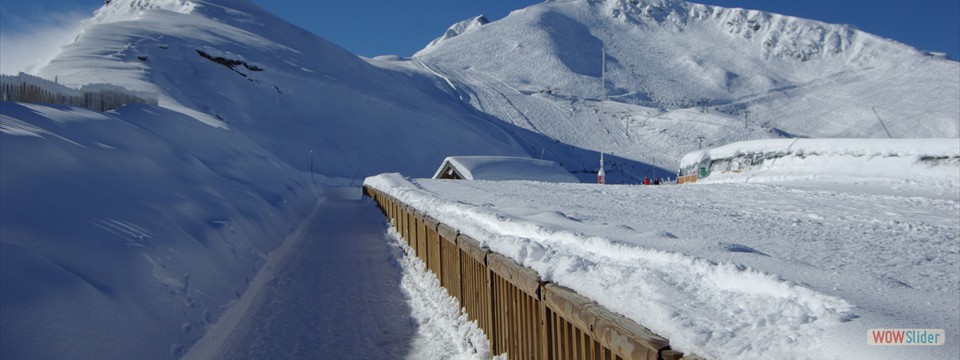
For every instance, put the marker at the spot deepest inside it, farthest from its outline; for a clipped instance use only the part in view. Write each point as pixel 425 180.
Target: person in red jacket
pixel 646 181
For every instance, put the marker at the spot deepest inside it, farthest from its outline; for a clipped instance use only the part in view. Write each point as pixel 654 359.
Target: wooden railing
pixel 522 316
pixel 687 179
pixel 96 97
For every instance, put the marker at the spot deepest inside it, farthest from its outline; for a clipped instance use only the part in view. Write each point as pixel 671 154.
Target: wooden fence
pixel 97 97
pixel 522 316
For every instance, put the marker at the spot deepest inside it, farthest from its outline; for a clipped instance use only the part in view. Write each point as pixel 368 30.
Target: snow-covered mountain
pixel 125 234
pixel 233 65
pixel 676 71
pixel 460 28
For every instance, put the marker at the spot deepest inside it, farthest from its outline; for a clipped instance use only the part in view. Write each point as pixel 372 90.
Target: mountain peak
pixel 801 76
pixel 777 35
pixel 460 28
pixel 121 10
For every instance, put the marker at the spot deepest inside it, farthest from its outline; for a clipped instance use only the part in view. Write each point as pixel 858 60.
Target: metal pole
pixel 881 123
pixel 603 78
pixel 311 164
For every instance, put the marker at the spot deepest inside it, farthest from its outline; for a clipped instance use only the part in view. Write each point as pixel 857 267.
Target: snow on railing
pixel 522 315
pixel 96 97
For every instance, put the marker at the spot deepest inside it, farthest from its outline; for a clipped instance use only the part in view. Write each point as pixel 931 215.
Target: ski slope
pixel 678 71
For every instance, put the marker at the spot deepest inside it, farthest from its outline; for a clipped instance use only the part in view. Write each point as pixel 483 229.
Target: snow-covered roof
pixel 504 168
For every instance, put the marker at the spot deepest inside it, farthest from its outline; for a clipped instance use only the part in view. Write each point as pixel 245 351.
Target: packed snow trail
pixel 336 293
pixel 341 287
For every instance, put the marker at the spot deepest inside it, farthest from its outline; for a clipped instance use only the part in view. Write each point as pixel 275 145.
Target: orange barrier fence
pixel 522 316
pixel 687 179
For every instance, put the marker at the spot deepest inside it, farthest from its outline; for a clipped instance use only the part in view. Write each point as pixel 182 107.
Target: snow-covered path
pixel 336 293
pixel 341 287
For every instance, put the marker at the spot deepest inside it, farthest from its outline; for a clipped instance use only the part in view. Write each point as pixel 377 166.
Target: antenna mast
pixel 601 175
pixel 603 78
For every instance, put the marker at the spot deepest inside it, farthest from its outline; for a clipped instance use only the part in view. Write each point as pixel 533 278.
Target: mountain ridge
pixel 774 74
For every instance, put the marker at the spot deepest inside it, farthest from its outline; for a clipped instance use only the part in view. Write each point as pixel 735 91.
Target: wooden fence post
pixel 450 261
pixel 433 246
pixel 475 285
pixel 516 308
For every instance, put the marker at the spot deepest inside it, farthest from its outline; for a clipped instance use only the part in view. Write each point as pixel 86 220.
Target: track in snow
pixel 335 294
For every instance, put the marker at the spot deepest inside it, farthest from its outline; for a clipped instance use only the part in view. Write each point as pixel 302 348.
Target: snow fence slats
pixel 517 308
pixel 571 326
pixel 433 246
pixel 407 228
pixel 475 283
pixel 415 231
pixel 450 261
pixel 522 316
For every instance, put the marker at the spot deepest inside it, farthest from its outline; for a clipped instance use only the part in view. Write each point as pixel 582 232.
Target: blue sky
pixel 376 27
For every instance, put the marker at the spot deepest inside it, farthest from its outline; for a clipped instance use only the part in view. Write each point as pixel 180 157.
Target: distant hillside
pixel 676 71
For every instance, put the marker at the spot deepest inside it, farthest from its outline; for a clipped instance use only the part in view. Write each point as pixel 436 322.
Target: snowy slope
pixel 676 71
pixel 126 234
pixel 231 64
pixel 460 28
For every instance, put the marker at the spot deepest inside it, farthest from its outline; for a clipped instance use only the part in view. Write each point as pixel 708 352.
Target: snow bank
pixel 730 271
pixel 125 234
pixel 444 332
